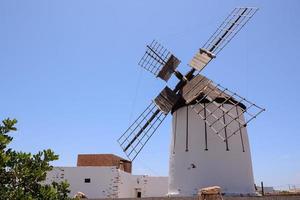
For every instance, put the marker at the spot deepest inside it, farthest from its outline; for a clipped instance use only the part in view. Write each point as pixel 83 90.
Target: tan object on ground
pixel 210 193
pixel 80 195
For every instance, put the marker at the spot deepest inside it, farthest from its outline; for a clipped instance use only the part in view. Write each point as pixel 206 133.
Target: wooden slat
pixel 201 59
pixel 200 85
pixel 166 100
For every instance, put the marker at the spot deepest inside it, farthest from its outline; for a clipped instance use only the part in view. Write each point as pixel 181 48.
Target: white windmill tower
pixel 209 144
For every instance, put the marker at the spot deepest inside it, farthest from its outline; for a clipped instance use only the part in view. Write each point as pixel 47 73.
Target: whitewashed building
pixel 108 176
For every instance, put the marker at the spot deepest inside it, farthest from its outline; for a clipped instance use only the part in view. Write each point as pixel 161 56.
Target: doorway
pixel 138 193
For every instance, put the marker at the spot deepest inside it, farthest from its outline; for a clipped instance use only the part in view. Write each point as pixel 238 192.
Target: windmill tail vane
pixel 218 103
pixel 224 112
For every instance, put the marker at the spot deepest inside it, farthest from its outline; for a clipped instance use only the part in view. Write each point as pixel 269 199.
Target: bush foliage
pixel 22 174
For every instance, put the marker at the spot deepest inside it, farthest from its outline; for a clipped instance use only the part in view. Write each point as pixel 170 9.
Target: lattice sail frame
pixel 135 137
pixel 233 23
pixel 214 119
pixel 159 61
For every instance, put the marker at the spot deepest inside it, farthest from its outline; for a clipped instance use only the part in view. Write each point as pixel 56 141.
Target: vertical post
pixel 175 131
pixel 205 128
pixel 225 130
pixel 187 129
pixel 262 188
pixel 240 128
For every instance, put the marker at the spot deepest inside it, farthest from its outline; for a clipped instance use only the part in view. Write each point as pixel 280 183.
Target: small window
pixel 87 180
pixel 139 194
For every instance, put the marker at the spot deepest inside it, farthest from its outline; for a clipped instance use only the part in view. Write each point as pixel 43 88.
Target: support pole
pixel 262 188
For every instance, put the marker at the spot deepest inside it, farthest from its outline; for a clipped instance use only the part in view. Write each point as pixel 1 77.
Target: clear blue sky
pixel 69 74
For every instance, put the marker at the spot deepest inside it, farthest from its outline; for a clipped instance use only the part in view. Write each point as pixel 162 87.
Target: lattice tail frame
pixel 138 134
pixel 225 113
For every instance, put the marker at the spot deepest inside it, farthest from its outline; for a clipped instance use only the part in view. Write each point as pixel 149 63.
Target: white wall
pixel 126 188
pixel 232 170
pixel 108 182
pixel 156 186
pixel 149 186
pixel 102 185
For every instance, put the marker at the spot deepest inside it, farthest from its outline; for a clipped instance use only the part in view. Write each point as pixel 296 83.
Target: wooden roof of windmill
pixel 203 89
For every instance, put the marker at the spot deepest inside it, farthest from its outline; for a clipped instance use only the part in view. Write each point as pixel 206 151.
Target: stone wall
pixel 283 197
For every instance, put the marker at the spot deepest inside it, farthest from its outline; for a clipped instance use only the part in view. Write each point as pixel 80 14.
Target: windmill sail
pixel 233 23
pixel 138 134
pixel 159 61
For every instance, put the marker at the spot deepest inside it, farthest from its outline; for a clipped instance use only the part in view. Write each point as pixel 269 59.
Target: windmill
pixel 209 144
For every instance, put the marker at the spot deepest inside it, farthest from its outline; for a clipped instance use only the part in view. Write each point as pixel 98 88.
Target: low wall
pixel 282 197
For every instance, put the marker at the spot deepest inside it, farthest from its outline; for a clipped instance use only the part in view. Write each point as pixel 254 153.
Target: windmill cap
pixel 202 89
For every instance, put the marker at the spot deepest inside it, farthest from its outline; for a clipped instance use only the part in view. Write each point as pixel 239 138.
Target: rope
pixel 136 92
